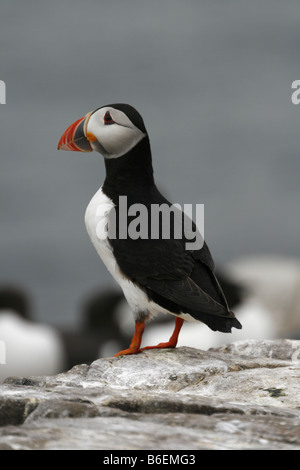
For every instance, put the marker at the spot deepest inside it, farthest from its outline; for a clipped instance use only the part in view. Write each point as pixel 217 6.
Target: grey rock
pixel 245 395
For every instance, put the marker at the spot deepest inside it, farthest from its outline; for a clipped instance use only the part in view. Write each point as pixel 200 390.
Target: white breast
pixel 96 219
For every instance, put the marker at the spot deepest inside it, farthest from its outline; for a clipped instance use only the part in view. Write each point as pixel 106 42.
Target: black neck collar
pixel 132 170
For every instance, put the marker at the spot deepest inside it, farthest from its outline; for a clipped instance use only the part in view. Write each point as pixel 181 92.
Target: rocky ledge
pixel 245 395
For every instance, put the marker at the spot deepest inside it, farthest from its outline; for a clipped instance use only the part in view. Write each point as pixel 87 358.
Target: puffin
pixel 157 273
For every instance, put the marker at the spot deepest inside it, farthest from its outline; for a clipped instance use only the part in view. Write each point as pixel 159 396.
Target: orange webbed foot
pixel 128 351
pixel 160 346
pixel 134 347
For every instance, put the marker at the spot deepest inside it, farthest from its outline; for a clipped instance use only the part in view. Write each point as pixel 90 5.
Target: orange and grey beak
pixel 76 138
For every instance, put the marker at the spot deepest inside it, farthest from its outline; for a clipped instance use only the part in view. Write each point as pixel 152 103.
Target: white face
pixel 114 132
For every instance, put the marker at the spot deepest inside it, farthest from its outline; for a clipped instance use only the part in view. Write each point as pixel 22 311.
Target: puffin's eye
pixel 108 119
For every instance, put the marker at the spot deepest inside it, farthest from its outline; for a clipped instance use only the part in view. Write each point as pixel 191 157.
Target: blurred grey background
pixel 212 80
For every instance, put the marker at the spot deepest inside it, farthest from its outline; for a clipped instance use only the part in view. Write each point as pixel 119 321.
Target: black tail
pixel 217 323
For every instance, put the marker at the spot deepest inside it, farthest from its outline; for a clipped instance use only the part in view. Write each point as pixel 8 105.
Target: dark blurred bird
pixel 157 274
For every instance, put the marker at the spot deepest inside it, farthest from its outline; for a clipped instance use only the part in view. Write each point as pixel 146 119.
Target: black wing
pixel 181 277
pixel 175 277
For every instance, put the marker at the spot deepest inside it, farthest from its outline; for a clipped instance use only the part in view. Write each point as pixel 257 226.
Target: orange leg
pixel 174 338
pixel 134 347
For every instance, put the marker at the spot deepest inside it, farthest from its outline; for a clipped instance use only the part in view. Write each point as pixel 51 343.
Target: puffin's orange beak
pixel 74 138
